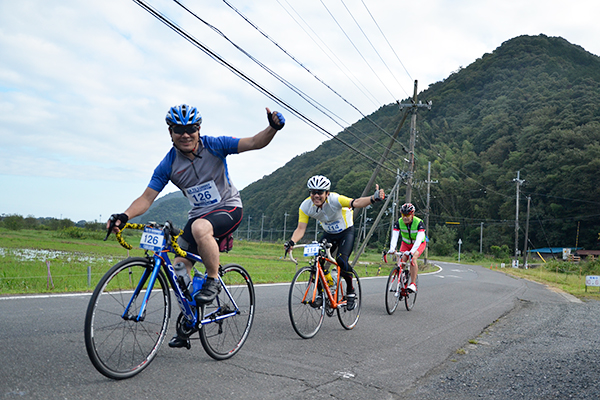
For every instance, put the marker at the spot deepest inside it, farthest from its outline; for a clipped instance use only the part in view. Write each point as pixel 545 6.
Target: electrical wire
pixel 309 71
pixel 357 50
pixel 162 18
pixel 374 49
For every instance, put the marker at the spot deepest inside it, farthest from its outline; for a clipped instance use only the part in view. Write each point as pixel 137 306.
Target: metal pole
pixel 262 225
pixel 526 234
pixel 284 224
pixel 381 212
pixel 481 239
pixel 427 208
pixel 519 182
pixel 248 235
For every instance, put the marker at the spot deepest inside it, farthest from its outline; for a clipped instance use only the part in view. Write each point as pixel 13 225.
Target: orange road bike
pixel 396 288
pixel 309 285
pixel 128 314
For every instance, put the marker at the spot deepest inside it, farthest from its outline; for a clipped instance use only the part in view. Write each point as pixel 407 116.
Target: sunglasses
pixel 319 192
pixel 181 129
pixel 406 215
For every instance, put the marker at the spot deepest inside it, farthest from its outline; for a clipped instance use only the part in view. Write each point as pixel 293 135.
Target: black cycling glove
pixel 272 123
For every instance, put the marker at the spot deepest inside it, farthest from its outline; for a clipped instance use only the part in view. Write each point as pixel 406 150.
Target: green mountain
pixel 531 106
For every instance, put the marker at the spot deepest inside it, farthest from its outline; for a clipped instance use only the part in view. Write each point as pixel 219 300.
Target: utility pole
pixel 262 225
pixel 413 105
pixel 248 236
pixel 413 138
pixel 284 224
pixel 427 210
pixel 519 183
pixel 526 234
pixel 481 238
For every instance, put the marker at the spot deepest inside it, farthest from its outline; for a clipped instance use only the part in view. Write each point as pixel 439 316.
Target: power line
pixel 357 50
pixel 309 71
pixel 354 80
pixel 387 41
pixel 246 78
pixel 374 49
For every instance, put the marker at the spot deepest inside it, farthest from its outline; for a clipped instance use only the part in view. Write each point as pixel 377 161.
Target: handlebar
pixel 324 245
pixel 171 234
pixel 398 254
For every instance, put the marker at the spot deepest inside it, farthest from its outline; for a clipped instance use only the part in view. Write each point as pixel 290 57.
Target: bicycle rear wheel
pixel 349 318
pixel 409 300
pixel 118 346
pixel 392 291
pixel 306 319
pixel 222 338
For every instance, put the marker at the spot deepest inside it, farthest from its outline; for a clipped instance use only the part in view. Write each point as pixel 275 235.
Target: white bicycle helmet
pixel 318 182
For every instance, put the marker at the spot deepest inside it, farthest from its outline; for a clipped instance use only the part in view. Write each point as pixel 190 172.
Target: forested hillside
pixel 533 105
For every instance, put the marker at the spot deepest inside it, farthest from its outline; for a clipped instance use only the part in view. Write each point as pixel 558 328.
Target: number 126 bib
pixel 203 195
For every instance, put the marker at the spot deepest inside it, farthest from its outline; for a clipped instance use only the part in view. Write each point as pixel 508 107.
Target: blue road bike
pixel 128 314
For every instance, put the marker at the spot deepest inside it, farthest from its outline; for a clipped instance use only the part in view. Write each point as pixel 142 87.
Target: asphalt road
pixel 405 355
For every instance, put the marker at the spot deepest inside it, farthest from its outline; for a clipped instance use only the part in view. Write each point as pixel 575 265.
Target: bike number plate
pixel 152 239
pixel 311 250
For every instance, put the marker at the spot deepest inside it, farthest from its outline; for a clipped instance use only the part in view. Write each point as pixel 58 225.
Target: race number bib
pixel 152 239
pixel 311 250
pixel 333 227
pixel 203 195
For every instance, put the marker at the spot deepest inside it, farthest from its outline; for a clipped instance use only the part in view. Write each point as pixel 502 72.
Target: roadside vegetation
pixel 72 259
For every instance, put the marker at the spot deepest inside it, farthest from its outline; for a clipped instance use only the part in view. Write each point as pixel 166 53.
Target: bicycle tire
pixel 222 339
pixel 306 320
pixel 392 291
pixel 349 318
pixel 411 298
pixel 119 347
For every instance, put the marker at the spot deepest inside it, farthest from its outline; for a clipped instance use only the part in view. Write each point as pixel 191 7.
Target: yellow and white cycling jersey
pixel 335 215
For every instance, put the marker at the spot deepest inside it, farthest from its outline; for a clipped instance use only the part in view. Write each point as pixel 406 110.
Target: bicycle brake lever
pixel 110 227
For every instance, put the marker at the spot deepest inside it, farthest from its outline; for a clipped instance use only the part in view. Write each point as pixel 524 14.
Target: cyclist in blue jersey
pixel 335 213
pixel 196 165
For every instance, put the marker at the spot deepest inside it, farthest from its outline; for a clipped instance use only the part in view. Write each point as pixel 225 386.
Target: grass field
pixel 45 261
pixel 36 261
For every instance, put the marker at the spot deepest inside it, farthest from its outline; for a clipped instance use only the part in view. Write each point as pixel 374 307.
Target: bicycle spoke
pixel 121 348
pixel 392 291
pixel 224 337
pixel 305 317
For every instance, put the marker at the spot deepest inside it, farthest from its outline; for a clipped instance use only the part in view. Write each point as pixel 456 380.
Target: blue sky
pixel 85 85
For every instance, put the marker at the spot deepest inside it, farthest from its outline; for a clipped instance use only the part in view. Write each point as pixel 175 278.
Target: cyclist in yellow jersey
pixel 335 213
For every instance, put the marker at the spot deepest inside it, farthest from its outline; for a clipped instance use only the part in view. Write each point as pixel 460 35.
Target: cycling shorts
pixel 224 221
pixel 407 247
pixel 343 242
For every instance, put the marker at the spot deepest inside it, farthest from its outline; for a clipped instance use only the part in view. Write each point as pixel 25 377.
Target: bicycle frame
pixel 320 278
pixel 161 259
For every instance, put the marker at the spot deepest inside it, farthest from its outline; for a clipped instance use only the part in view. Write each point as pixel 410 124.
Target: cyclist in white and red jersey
pixel 414 241
pixel 196 165
pixel 335 213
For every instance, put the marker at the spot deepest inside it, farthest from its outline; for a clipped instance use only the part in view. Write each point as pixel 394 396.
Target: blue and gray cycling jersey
pixel 205 179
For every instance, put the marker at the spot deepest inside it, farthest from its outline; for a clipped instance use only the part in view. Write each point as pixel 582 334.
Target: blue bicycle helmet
pixel 183 115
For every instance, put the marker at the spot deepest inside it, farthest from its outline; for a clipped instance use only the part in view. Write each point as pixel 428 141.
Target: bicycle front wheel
pixel 306 319
pixel 392 291
pixel 118 345
pixel 349 318
pixel 223 337
pixel 409 300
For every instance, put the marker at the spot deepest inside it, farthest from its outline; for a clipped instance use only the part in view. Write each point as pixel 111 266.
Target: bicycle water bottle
pixel 198 281
pixel 183 278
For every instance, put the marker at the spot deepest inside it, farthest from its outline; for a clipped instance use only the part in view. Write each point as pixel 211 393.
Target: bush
pixel 500 252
